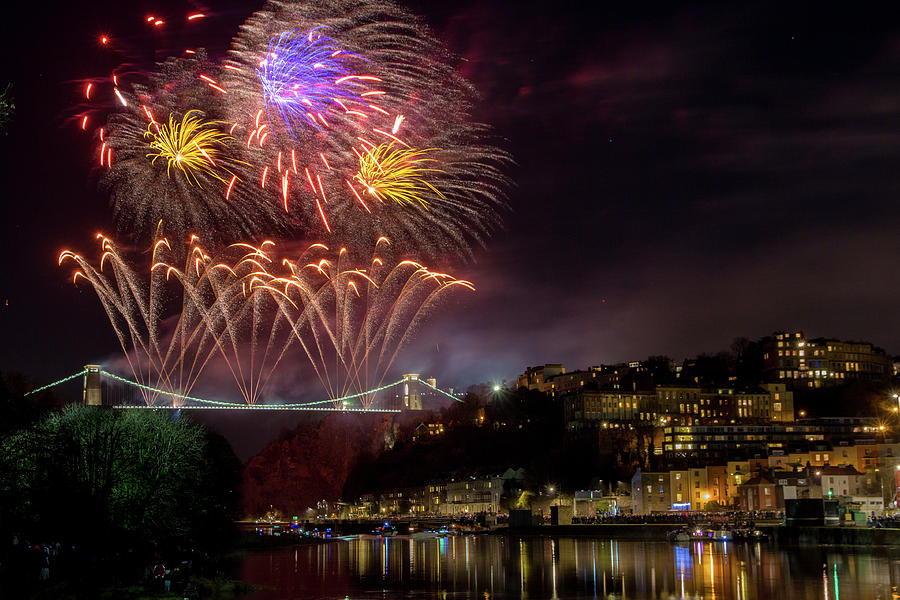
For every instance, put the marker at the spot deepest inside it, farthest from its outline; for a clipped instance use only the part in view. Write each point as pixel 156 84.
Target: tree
pixel 96 477
pixel 749 362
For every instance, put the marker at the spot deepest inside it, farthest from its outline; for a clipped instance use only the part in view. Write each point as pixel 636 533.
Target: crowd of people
pixel 25 564
pixel 885 522
pixel 735 518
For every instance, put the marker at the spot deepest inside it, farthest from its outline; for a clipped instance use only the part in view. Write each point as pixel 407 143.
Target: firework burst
pixel 308 91
pixel 162 159
pixel 397 174
pixel 328 119
pixel 191 146
pixel 304 76
pixel 351 318
pixel 388 84
pixel 345 320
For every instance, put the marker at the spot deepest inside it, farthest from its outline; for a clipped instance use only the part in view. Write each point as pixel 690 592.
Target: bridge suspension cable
pixel 218 404
pixel 57 382
pixel 222 404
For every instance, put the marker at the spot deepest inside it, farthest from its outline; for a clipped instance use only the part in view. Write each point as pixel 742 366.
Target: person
pixel 45 563
pixel 159 572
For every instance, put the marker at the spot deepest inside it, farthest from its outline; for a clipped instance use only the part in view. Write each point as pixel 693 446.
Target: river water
pixel 488 566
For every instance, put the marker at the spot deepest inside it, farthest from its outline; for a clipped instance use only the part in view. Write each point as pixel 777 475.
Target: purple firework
pixel 303 76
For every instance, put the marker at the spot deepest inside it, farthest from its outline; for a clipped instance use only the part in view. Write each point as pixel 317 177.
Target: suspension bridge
pixel 103 388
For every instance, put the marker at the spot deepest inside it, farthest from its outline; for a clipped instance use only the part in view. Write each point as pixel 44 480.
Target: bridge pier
pixel 92 386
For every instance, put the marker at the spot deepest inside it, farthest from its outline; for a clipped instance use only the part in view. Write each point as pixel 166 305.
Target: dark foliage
pixel 311 462
pixel 103 479
pixel 519 429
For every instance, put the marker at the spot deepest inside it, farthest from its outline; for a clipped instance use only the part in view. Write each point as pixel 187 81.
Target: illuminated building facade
pixel 818 362
pixel 473 495
pixel 679 405
pixel 606 406
pixel 713 443
pixel 651 492
pixel 536 378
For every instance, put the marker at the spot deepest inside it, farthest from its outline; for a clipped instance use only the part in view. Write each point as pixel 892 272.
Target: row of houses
pixel 452 497
pixel 745 486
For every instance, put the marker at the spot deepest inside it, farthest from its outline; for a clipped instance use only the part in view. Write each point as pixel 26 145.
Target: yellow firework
pixel 192 145
pixel 397 174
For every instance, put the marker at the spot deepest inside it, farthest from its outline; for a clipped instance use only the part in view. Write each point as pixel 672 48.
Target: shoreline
pixel 778 534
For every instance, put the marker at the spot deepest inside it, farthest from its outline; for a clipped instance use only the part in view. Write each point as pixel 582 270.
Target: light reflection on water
pixel 502 567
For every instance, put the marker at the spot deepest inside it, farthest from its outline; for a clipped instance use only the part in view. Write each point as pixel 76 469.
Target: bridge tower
pixel 412 392
pixel 92 386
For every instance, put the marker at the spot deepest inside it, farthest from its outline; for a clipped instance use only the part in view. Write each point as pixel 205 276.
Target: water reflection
pixel 542 567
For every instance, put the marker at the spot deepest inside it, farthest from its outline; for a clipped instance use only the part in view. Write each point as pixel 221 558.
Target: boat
pixel 679 536
pixel 711 535
pixel 386 530
pixel 751 535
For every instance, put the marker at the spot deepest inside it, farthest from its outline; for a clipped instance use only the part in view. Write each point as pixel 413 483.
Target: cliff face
pixel 312 462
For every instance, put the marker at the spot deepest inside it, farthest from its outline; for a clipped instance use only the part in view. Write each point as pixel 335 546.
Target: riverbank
pixel 653 532
pixel 199 587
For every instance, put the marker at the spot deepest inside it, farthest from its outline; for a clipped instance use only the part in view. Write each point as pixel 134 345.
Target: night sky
pixel 685 175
